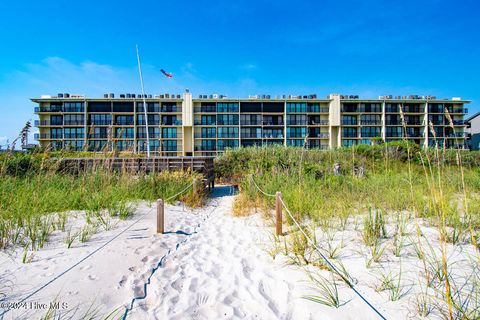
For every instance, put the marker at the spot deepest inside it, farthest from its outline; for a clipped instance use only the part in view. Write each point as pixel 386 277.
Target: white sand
pixel 223 271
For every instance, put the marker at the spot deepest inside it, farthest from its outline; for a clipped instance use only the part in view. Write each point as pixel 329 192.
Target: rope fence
pixel 279 205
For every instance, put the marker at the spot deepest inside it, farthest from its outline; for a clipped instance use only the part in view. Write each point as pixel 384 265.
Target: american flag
pixel 168 75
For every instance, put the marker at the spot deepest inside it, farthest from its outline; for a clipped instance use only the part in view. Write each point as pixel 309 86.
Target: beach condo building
pixel 180 125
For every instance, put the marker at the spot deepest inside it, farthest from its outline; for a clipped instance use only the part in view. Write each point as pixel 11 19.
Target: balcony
pixel 458 110
pixel 205 148
pixel 100 123
pixel 48 109
pixel 251 135
pixel 227 123
pixel 172 123
pixel 413 110
pixel 272 123
pixel 317 110
pixel 46 136
pixel 73 110
pixel 204 123
pixel 73 123
pixel 414 122
pixel 143 135
pixel 456 135
pixel 73 136
pixel 296 122
pixel 251 122
pixel 124 123
pixel 318 122
pixel 227 136
pixel 370 122
pixel 97 136
pixel 393 123
pixel 42 123
pixel 349 122
pixel 273 136
pixel 205 109
pixel 150 122
pixel 320 135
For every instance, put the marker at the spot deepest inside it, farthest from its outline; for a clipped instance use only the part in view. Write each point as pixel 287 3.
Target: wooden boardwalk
pixel 203 165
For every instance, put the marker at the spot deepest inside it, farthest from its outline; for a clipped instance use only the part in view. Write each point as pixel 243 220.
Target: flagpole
pixel 144 103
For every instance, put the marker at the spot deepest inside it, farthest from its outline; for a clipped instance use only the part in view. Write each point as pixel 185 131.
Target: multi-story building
pixel 181 125
pixel 473 131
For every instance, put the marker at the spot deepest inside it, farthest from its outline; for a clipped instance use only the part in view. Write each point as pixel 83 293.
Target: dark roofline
pixel 472 117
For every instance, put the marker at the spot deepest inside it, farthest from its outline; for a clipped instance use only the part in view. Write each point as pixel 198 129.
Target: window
pixel 97 145
pixel 208 120
pixel 251 132
pixel 73 107
pixel 153 119
pixel 394 132
pixel 228 132
pixel 296 107
pixel 349 120
pixel 227 107
pixel 124 133
pixel 73 119
pixel 169 145
pixel 209 145
pixel 76 145
pixel 124 120
pixel 296 119
pixel 170 121
pixel 224 144
pixel 392 107
pixel 101 119
pixel 250 120
pixel 56 120
pixel 73 133
pixel 56 133
pixel 348 142
pixel 153 133
pixel 273 133
pixel 169 107
pixel 209 133
pixel 169 133
pixel 349 132
pixel 124 145
pixel 370 132
pixel 370 107
pixel 294 132
pixel 227 119
pixel 151 107
pixel 154 145
pixel 98 133
pixel 295 143
pixel 370 119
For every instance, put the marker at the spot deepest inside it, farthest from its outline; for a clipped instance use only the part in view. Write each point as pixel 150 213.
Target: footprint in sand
pixel 202 299
pixel 92 277
pixel 87 267
pixel 144 259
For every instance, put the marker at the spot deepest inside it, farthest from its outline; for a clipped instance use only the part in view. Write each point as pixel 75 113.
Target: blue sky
pixel 236 48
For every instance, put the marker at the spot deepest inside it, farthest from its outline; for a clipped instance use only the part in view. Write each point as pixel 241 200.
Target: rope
pixel 179 193
pixel 256 185
pixel 331 265
pixel 92 253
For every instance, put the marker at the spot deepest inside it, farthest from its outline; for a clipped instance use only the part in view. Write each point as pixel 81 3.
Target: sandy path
pixel 222 272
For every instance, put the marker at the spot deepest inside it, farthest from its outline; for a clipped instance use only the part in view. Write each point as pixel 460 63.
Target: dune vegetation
pixel 412 216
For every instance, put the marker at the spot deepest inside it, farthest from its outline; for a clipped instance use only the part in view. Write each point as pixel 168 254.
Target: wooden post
pixel 278 213
pixel 160 216
pixel 195 186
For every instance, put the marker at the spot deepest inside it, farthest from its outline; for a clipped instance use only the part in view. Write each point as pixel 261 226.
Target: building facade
pixel 180 125
pixel 473 131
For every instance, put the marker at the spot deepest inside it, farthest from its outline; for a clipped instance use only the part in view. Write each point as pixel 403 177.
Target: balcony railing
pixel 97 136
pixel 371 122
pixel 172 123
pixel 251 135
pixel 350 135
pixel 456 135
pixel 150 122
pixel 73 136
pixel 73 110
pixel 296 122
pixel 413 110
pixel 227 123
pixel 73 123
pixel 40 123
pixel 319 110
pixel 251 122
pixel 457 110
pixel 393 123
pixel 273 136
pixel 319 122
pixel 349 122
pixel 272 123
pixel 41 136
pixel 204 123
pixel 413 122
pixel 48 109
pixel 205 109
pixel 205 148
pixel 223 136
pixel 320 135
pixel 143 135
pixel 100 123
pixel 124 123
